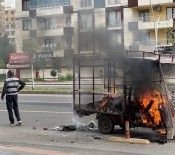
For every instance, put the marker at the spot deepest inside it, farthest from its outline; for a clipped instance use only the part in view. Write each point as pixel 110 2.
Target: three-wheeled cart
pixel 131 88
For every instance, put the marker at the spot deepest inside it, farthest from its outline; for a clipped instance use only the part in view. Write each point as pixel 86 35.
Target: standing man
pixel 12 86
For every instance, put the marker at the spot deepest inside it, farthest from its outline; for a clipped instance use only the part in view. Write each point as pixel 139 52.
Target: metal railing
pixel 51 5
pixel 151 42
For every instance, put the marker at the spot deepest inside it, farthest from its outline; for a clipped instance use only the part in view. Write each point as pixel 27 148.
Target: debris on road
pixel 65 128
pixel 90 126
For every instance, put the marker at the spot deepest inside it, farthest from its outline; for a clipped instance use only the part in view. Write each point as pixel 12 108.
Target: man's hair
pixel 10 73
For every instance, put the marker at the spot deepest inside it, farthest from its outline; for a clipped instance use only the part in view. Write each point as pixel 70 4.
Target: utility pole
pixel 155 25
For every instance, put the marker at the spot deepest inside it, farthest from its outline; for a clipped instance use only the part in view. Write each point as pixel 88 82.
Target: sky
pixel 10 3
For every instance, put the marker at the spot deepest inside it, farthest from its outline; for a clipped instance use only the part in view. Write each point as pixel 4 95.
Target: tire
pixel 105 124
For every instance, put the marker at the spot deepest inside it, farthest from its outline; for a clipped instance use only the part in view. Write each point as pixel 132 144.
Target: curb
pixel 131 140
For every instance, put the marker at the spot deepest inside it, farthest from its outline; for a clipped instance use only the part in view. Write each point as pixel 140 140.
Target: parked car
pixel 165 50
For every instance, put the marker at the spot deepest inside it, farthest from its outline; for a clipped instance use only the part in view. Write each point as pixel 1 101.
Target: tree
pixel 6 47
pixel 31 46
pixel 171 36
pixel 2 64
pixel 39 63
pixel 56 64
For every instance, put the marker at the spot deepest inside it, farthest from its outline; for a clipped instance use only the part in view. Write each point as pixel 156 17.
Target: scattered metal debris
pixel 65 128
pixel 90 126
pixel 97 138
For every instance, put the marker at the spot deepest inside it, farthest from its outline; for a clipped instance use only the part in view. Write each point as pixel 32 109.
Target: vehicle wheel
pixel 105 124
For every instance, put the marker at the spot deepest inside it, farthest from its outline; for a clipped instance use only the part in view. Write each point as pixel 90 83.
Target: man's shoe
pixel 19 123
pixel 11 124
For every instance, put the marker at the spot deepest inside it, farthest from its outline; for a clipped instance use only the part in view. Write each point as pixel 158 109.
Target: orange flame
pixel 152 117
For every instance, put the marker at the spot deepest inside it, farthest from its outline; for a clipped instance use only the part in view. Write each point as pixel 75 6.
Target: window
pixel 27 25
pixel 170 13
pixel 12 19
pixel 48 3
pixel 110 2
pixel 114 19
pixel 69 42
pixel 12 26
pixel 145 38
pixel 47 43
pixel 86 3
pixel 68 21
pixel 12 12
pixel 7 26
pixel 12 40
pixel 86 21
pixel 12 33
pixel 117 38
pixel 25 5
pixel 86 42
pixel 144 16
pixel 48 24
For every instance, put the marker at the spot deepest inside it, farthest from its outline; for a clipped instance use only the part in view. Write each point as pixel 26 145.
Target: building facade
pixel 10 23
pixel 47 23
pixel 2 19
pixel 148 24
pixel 69 27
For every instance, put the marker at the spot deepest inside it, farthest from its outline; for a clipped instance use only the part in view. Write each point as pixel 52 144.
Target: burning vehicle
pixel 116 90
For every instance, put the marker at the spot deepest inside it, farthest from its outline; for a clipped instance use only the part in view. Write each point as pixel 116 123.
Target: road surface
pixel 41 113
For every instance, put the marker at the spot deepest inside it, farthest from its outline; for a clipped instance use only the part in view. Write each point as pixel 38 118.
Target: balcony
pixel 135 3
pixel 51 32
pixel 112 3
pixel 147 45
pixel 50 11
pixel 154 2
pixel 145 23
pixel 22 14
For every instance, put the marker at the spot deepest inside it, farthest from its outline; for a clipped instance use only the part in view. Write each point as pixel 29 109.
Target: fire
pixel 150 103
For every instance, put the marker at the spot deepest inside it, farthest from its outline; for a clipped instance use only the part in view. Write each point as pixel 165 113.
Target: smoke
pixel 142 73
pixel 106 43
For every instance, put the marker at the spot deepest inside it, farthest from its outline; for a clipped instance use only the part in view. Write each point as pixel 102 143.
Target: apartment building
pixel 9 15
pixel 148 24
pixel 68 27
pixel 45 27
pixel 87 22
pixel 2 28
pixel 100 25
pixel 46 22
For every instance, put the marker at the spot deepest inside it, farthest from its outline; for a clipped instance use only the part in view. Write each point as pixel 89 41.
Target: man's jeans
pixel 12 104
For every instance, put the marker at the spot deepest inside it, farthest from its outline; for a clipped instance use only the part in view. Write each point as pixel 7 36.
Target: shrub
pixel 68 76
pixel 62 78
pixel 38 79
pixel 53 73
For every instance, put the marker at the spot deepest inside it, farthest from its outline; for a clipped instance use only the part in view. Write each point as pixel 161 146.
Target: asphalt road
pixel 41 113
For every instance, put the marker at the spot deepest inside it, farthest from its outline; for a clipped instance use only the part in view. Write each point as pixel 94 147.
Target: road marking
pixel 33 150
pixel 51 112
